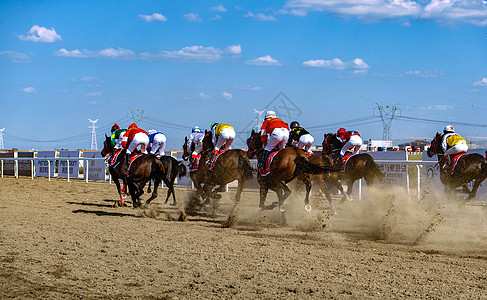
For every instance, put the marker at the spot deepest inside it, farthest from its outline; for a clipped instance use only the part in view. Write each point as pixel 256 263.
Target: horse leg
pixel 473 193
pixel 264 189
pixel 241 183
pixel 154 193
pixel 307 207
pixel 326 191
pixel 135 193
pixel 121 202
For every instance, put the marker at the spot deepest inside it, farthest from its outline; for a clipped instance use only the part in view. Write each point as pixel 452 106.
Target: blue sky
pixel 175 64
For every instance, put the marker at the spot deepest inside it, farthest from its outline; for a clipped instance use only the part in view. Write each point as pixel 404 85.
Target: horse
pixel 117 170
pixel 141 170
pixel 172 169
pixel 358 166
pixel 199 175
pixel 469 167
pixel 287 164
pixel 231 165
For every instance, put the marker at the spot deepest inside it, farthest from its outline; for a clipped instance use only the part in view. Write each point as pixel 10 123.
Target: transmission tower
pixel 387 114
pixel 259 118
pixel 93 134
pixel 1 138
pixel 137 115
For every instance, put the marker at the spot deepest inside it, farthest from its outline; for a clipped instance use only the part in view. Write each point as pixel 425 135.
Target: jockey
pixel 278 132
pixel 196 139
pixel 133 137
pixel 300 137
pixel 116 133
pixel 351 139
pixel 222 136
pixel 452 144
pixel 157 143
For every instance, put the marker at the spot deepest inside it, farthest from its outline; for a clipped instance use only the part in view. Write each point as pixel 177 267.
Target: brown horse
pixel 230 165
pixel 172 169
pixel 469 167
pixel 358 166
pixel 199 175
pixel 117 170
pixel 288 164
pixel 142 169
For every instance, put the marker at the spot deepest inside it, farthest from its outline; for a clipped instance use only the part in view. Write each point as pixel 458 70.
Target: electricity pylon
pixel 387 114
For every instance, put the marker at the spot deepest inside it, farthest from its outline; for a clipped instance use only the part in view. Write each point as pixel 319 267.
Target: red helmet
pixel 341 131
pixel 115 127
pixel 133 125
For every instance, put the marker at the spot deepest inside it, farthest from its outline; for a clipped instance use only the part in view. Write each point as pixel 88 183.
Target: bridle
pixel 252 149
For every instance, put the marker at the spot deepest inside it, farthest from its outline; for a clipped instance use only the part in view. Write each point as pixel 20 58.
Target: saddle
pixel 267 166
pixel 212 163
pixel 196 162
pixel 132 158
pixel 454 161
pixel 112 160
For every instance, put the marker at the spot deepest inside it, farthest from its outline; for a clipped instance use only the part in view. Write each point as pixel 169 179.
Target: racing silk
pixel 129 135
pixel 217 130
pixel 115 135
pixel 345 137
pixel 196 138
pixel 151 137
pixel 268 127
pixel 295 134
pixel 451 139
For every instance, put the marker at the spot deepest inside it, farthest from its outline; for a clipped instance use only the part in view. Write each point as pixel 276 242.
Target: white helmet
pixel 270 114
pixel 151 131
pixel 449 128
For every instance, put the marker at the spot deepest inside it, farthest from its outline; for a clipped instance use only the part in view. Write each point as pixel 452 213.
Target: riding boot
pixel 263 159
pixel 127 159
pixel 212 157
pixel 447 165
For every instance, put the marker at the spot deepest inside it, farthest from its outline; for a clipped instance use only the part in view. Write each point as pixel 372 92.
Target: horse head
pixel 254 144
pixel 330 143
pixel 107 146
pixel 185 149
pixel 208 141
pixel 435 147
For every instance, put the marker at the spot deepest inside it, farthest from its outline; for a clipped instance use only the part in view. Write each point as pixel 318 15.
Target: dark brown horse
pixel 141 170
pixel 470 167
pixel 358 166
pixel 288 164
pixel 117 170
pixel 230 165
pixel 172 169
pixel 199 175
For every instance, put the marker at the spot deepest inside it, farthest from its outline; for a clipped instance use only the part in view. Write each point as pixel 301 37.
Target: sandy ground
pixel 62 239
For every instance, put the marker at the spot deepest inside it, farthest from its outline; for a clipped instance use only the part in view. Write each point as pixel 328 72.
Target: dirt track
pixel 64 239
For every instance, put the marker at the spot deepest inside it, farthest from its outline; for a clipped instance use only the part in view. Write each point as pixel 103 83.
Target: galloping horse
pixel 230 165
pixel 199 175
pixel 172 169
pixel 117 170
pixel 141 170
pixel 286 165
pixel 358 166
pixel 469 167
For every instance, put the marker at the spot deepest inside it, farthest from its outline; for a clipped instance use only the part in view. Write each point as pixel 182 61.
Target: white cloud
pixel 218 8
pixel 194 54
pixel 424 74
pixel 40 35
pixel 227 95
pixel 437 107
pixel 106 53
pixel 93 94
pixel 29 90
pixel 16 57
pixel 204 96
pixel 336 64
pixel 482 82
pixel 260 16
pixel 444 11
pixel 153 17
pixel 216 18
pixel 192 17
pixel 264 61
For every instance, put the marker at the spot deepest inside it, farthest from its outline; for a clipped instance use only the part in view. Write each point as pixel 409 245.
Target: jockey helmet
pixel 295 124
pixel 151 131
pixel 449 128
pixel 115 127
pixel 196 129
pixel 213 125
pixel 270 114
pixel 133 125
pixel 341 131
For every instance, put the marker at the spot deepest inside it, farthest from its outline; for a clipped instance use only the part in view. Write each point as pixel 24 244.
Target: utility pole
pixel 387 114
pixel 1 138
pixel 93 134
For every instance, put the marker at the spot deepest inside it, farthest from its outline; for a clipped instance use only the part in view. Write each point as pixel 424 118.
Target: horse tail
pixel 371 165
pixel 157 170
pixel 244 165
pixel 181 168
pixel 304 166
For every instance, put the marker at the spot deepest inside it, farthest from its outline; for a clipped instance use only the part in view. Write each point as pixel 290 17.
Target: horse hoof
pixel 217 196
pixel 282 208
pixel 271 206
pixel 307 207
pixel 349 197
